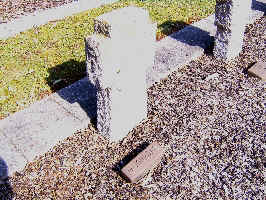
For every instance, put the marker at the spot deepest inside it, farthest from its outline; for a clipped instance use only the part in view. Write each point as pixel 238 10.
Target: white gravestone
pixel 117 57
pixel 231 17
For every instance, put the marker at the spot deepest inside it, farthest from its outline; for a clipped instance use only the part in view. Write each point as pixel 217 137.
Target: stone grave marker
pixel 117 57
pixel 231 17
pixel 258 70
pixel 144 162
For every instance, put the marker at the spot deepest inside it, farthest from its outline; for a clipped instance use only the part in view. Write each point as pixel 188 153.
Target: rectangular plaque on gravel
pixel 145 161
pixel 258 70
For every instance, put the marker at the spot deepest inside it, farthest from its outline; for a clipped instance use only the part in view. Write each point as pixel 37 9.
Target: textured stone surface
pixel 232 12
pixel 124 22
pixel 104 113
pixel 35 130
pixel 116 66
pixel 10 159
pixel 144 162
pixel 94 60
pixel 259 70
pixel 231 17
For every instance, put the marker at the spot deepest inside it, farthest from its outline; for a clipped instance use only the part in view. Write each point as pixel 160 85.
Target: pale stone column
pixel 231 17
pixel 117 57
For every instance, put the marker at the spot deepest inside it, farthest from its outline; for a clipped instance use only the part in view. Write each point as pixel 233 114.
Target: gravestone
pixel 231 17
pixel 117 57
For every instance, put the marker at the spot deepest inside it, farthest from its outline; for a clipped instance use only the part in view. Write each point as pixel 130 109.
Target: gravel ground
pixel 210 116
pixel 12 9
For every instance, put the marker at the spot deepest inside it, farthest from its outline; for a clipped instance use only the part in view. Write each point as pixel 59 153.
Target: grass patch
pixel 39 61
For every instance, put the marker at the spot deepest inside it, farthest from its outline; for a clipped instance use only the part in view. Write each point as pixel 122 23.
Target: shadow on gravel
pixel 6 192
pixel 119 165
pixel 67 80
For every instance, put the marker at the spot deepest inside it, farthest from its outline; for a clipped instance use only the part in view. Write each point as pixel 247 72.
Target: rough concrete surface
pixel 42 17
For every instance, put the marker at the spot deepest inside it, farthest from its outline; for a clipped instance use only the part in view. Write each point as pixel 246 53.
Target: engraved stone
pixel 258 70
pixel 117 57
pixel 231 17
pixel 144 162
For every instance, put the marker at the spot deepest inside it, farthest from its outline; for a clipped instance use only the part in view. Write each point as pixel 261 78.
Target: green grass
pixel 39 61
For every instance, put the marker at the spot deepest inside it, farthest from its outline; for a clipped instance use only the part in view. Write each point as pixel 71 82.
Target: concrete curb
pixel 38 18
pixel 33 131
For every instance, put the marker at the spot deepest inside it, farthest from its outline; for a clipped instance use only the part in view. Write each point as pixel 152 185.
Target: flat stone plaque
pixel 258 70
pixel 145 161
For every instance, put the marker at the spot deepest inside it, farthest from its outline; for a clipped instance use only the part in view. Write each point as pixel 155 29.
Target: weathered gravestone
pixel 231 17
pixel 117 56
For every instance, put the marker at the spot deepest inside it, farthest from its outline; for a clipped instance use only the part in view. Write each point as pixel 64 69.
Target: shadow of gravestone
pixel 6 192
pixel 194 36
pixel 168 27
pixel 188 34
pixel 258 5
pixel 69 81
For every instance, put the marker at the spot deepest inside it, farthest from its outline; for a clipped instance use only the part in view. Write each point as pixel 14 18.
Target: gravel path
pixel 211 117
pixel 12 9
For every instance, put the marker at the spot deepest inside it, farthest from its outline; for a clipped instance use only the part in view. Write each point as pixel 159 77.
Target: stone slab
pixel 132 112
pixel 127 22
pixel 258 70
pixel 118 53
pixel 38 18
pixel 144 162
pixel 35 130
pixel 10 159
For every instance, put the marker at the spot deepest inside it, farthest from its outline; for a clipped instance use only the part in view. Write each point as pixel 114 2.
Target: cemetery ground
pixel 45 59
pixel 209 114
